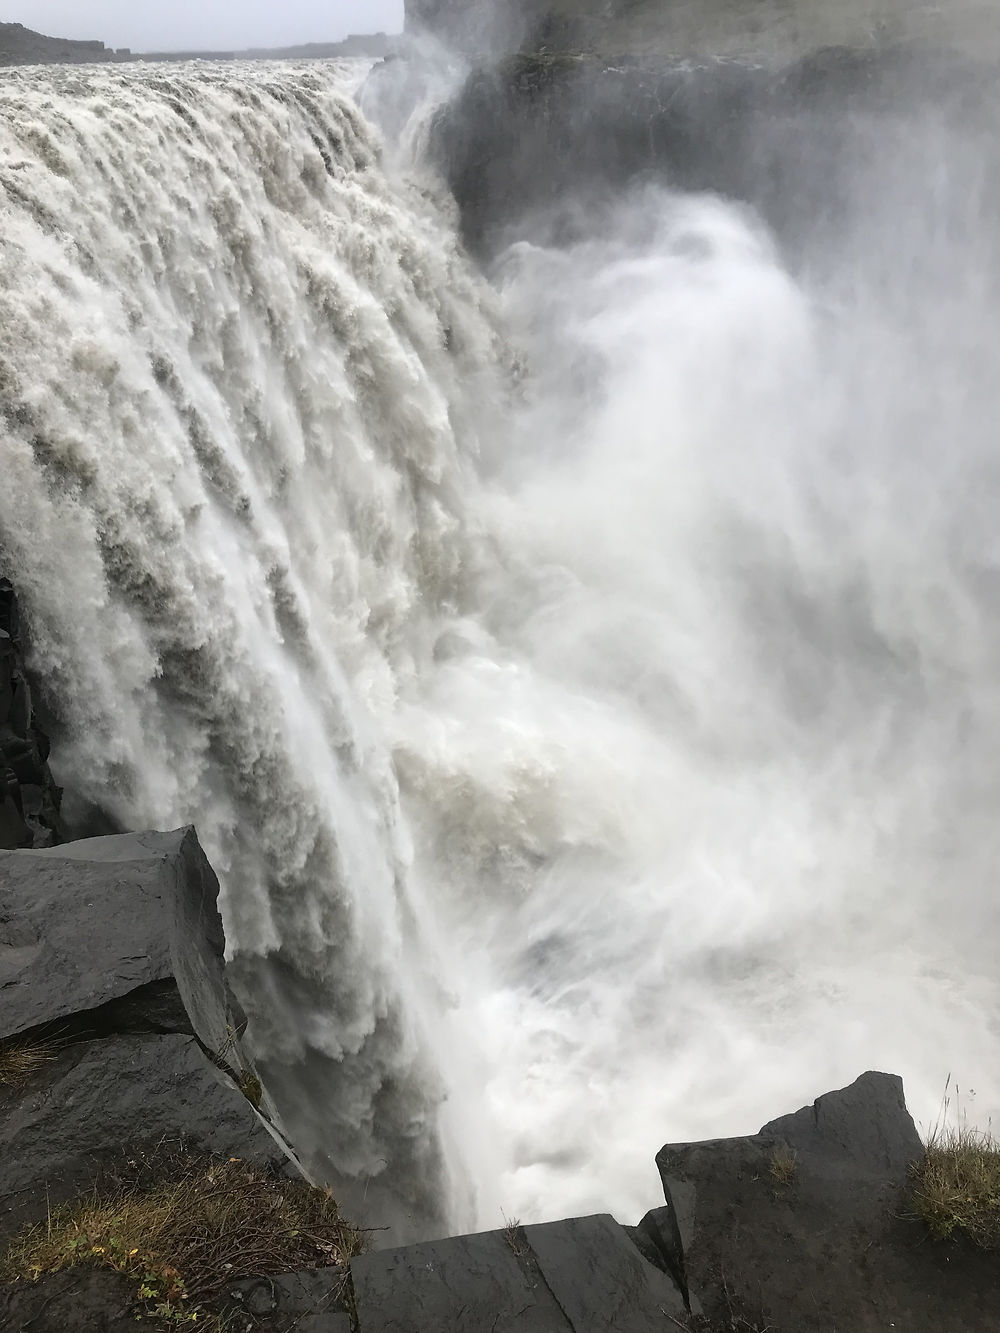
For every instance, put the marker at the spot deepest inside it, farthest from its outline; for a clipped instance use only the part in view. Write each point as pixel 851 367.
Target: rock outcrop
pixel 112 979
pixel 29 798
pixel 806 1227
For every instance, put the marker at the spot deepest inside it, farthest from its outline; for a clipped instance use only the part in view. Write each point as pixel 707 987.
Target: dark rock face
pixel 545 146
pixel 579 1276
pixel 29 798
pixel 804 1226
pixel 112 965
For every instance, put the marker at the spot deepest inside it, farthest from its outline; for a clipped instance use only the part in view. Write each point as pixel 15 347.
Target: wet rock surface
pixel 29 797
pixel 543 146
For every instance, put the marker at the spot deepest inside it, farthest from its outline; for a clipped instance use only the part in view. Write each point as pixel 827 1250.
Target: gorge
pixel 553 566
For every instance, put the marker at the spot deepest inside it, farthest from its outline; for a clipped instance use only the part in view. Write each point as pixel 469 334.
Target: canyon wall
pixel 767 29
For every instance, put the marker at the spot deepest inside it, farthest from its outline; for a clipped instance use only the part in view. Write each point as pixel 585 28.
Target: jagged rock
pixel 805 1225
pixel 579 1276
pixel 112 965
pixel 91 925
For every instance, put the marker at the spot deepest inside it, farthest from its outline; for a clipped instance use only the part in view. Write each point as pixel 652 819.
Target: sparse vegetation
pixel 784 1167
pixel 957 1186
pixel 512 1232
pixel 250 1086
pixel 20 1062
pixel 180 1236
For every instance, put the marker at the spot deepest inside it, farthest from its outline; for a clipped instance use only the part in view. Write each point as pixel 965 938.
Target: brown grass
pixel 182 1237
pixel 20 1062
pixel 784 1167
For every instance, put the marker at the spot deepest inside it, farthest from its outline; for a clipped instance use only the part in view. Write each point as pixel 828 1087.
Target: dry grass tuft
pixel 20 1062
pixel 957 1186
pixel 181 1238
pixel 784 1167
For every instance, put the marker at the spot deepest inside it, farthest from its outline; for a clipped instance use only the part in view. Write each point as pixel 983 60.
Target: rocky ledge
pixel 112 965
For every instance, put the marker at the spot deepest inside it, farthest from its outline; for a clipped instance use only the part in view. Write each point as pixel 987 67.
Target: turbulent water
pixel 586 683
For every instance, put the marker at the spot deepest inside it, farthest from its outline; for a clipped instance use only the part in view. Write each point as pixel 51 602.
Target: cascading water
pixel 596 745
pixel 236 425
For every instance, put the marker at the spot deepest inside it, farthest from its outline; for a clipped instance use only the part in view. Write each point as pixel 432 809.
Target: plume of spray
pixel 717 750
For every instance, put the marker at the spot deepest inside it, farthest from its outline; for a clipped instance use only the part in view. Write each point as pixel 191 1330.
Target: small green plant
pixel 183 1232
pixel 250 1086
pixel 20 1062
pixel 784 1167
pixel 956 1186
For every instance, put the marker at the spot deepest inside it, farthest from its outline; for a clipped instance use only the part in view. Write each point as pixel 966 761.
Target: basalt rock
pixel 29 798
pixel 806 1227
pixel 545 145
pixel 113 989
pixel 579 1276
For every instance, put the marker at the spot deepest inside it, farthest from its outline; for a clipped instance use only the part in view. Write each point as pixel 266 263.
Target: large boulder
pixel 118 1026
pixel 806 1227
pixel 89 930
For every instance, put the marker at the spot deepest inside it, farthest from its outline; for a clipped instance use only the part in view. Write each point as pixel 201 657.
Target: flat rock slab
pixel 828 1247
pixel 579 1276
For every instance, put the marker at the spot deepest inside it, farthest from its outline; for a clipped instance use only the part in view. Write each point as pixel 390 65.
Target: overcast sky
pixel 215 24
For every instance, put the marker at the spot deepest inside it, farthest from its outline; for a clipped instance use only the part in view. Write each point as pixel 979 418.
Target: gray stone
pixel 59 960
pixel 601 1282
pixel 832 1246
pixel 866 1123
pixel 468 1284
pixel 579 1276
pixel 97 1097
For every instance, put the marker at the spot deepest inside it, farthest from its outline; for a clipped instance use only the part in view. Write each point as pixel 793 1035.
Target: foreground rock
pixel 579 1276
pixel 804 1227
pixel 114 991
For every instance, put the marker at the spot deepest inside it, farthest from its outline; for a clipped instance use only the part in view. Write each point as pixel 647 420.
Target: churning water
pixel 586 683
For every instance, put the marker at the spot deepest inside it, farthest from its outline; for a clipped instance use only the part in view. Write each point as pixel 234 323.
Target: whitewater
pixel 585 679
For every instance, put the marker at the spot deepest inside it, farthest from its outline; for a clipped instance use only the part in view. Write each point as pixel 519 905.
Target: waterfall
pixel 236 368
pixel 583 681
